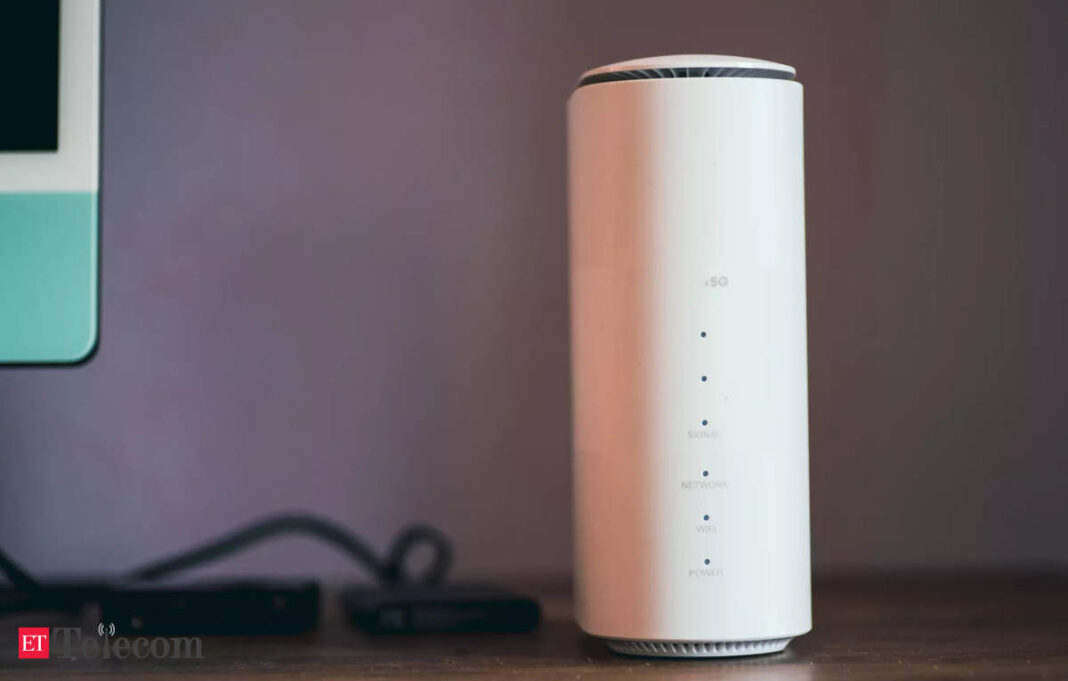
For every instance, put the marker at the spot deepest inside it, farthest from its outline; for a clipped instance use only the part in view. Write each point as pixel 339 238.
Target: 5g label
pixel 715 282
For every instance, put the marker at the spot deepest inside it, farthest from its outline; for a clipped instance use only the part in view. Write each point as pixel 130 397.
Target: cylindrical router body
pixel 689 356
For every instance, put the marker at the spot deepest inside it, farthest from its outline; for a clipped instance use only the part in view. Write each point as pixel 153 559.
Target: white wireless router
pixel 689 356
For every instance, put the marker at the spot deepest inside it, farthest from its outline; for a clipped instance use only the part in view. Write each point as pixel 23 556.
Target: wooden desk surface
pixel 864 629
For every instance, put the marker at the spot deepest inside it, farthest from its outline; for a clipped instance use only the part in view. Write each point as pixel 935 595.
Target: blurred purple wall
pixel 335 279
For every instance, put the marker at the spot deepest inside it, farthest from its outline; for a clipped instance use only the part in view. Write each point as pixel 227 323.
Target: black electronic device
pixel 137 602
pixel 245 608
pixel 444 608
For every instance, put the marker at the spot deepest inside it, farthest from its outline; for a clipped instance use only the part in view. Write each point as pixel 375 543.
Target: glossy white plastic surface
pixel 689 361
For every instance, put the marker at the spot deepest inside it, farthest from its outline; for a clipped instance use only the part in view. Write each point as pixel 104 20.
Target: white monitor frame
pixel 74 167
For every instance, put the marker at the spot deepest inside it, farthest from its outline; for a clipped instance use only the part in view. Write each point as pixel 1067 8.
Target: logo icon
pixel 109 629
pixel 33 643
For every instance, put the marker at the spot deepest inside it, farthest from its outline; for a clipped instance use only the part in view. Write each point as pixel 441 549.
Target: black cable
pixel 19 578
pixel 388 571
pixel 392 569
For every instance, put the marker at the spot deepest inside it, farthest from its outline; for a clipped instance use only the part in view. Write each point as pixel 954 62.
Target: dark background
pixel 335 279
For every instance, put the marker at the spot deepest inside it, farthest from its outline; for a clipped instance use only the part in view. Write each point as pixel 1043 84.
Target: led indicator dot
pixel 706 517
pixel 704 378
pixel 704 473
pixel 703 334
pixel 707 561
pixel 704 422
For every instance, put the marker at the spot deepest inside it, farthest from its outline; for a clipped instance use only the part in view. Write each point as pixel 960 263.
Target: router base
pixel 698 648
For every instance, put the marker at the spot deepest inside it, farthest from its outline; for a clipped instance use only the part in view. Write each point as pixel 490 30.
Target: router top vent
pixel 687 66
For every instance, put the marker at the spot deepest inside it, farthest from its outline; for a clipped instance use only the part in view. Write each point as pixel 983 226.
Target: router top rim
pixel 681 61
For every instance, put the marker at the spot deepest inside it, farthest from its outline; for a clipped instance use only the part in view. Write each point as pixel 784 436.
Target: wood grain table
pixel 865 628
